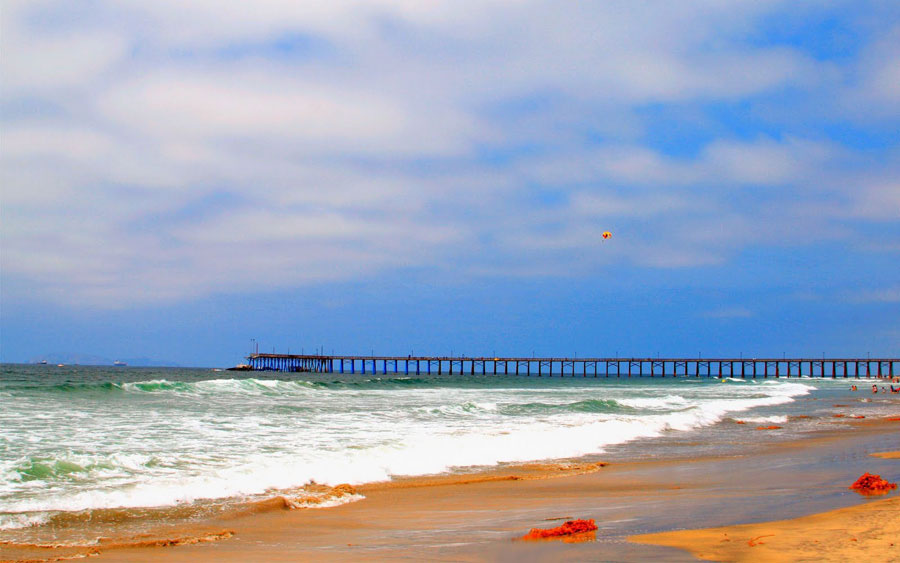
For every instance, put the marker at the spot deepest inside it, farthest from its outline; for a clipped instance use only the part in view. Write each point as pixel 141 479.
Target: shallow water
pixel 100 444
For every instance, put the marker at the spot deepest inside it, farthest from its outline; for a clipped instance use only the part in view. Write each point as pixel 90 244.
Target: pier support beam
pixel 317 363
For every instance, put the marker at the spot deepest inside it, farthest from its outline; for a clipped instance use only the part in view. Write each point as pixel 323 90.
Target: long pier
pixel 581 367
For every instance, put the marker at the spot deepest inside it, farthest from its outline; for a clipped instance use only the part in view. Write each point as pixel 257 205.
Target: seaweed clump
pixel 568 529
pixel 869 484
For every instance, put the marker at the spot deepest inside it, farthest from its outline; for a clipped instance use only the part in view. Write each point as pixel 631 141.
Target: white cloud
pixel 37 61
pixel 874 83
pixel 762 162
pixel 41 141
pixel 640 205
pixel 295 114
pixel 876 200
pixel 164 150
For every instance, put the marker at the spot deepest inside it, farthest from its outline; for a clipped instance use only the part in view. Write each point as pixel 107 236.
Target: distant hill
pixel 91 360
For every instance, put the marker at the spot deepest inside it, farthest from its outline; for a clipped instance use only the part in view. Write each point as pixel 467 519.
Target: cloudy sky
pixel 404 176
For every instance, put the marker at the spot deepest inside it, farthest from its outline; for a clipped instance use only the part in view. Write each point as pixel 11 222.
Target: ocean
pixel 84 447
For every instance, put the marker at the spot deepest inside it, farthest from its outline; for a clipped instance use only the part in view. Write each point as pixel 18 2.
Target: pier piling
pixel 633 367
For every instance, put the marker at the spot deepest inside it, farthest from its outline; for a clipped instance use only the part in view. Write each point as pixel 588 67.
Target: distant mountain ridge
pixel 91 360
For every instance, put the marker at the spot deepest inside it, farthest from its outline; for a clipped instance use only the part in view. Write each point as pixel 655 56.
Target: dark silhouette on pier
pixel 580 367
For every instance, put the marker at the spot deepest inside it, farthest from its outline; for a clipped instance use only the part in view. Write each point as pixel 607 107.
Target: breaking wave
pixel 170 443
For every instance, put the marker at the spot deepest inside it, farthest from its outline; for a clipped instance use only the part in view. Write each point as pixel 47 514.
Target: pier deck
pixel 581 367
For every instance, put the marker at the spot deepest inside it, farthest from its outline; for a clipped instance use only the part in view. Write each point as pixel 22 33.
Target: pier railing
pixel 581 367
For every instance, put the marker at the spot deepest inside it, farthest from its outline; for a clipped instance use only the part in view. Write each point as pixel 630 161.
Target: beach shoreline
pixel 479 516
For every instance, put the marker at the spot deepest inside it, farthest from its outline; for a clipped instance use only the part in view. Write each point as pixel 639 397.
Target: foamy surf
pixel 179 440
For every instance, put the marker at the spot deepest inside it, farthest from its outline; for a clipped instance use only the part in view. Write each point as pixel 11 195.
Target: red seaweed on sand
pixel 572 528
pixel 869 484
pixel 772 427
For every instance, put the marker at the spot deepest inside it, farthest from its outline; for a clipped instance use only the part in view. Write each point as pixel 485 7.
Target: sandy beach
pixel 868 532
pixel 786 501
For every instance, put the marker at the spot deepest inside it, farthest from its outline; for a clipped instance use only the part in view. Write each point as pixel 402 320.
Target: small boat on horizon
pixel 119 363
pixel 241 367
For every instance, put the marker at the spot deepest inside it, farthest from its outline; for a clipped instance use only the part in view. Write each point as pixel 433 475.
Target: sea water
pixel 76 441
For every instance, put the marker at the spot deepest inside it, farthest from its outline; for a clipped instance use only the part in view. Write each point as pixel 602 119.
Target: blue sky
pixel 397 176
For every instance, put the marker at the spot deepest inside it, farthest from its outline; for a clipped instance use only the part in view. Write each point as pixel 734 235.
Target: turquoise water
pixel 75 440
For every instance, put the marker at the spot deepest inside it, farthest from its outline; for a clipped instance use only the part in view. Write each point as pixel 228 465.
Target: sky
pixel 186 181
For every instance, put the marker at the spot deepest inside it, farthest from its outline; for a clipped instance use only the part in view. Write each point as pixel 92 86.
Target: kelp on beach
pixel 869 484
pixel 576 530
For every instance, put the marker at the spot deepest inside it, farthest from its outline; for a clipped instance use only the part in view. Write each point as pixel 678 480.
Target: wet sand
pixel 479 517
pixel 867 532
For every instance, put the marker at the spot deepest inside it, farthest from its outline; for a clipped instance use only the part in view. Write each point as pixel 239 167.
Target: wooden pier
pixel 581 367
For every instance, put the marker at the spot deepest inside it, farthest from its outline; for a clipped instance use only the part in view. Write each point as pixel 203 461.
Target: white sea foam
pixel 19 520
pixel 776 419
pixel 667 402
pixel 329 503
pixel 250 386
pixel 170 448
